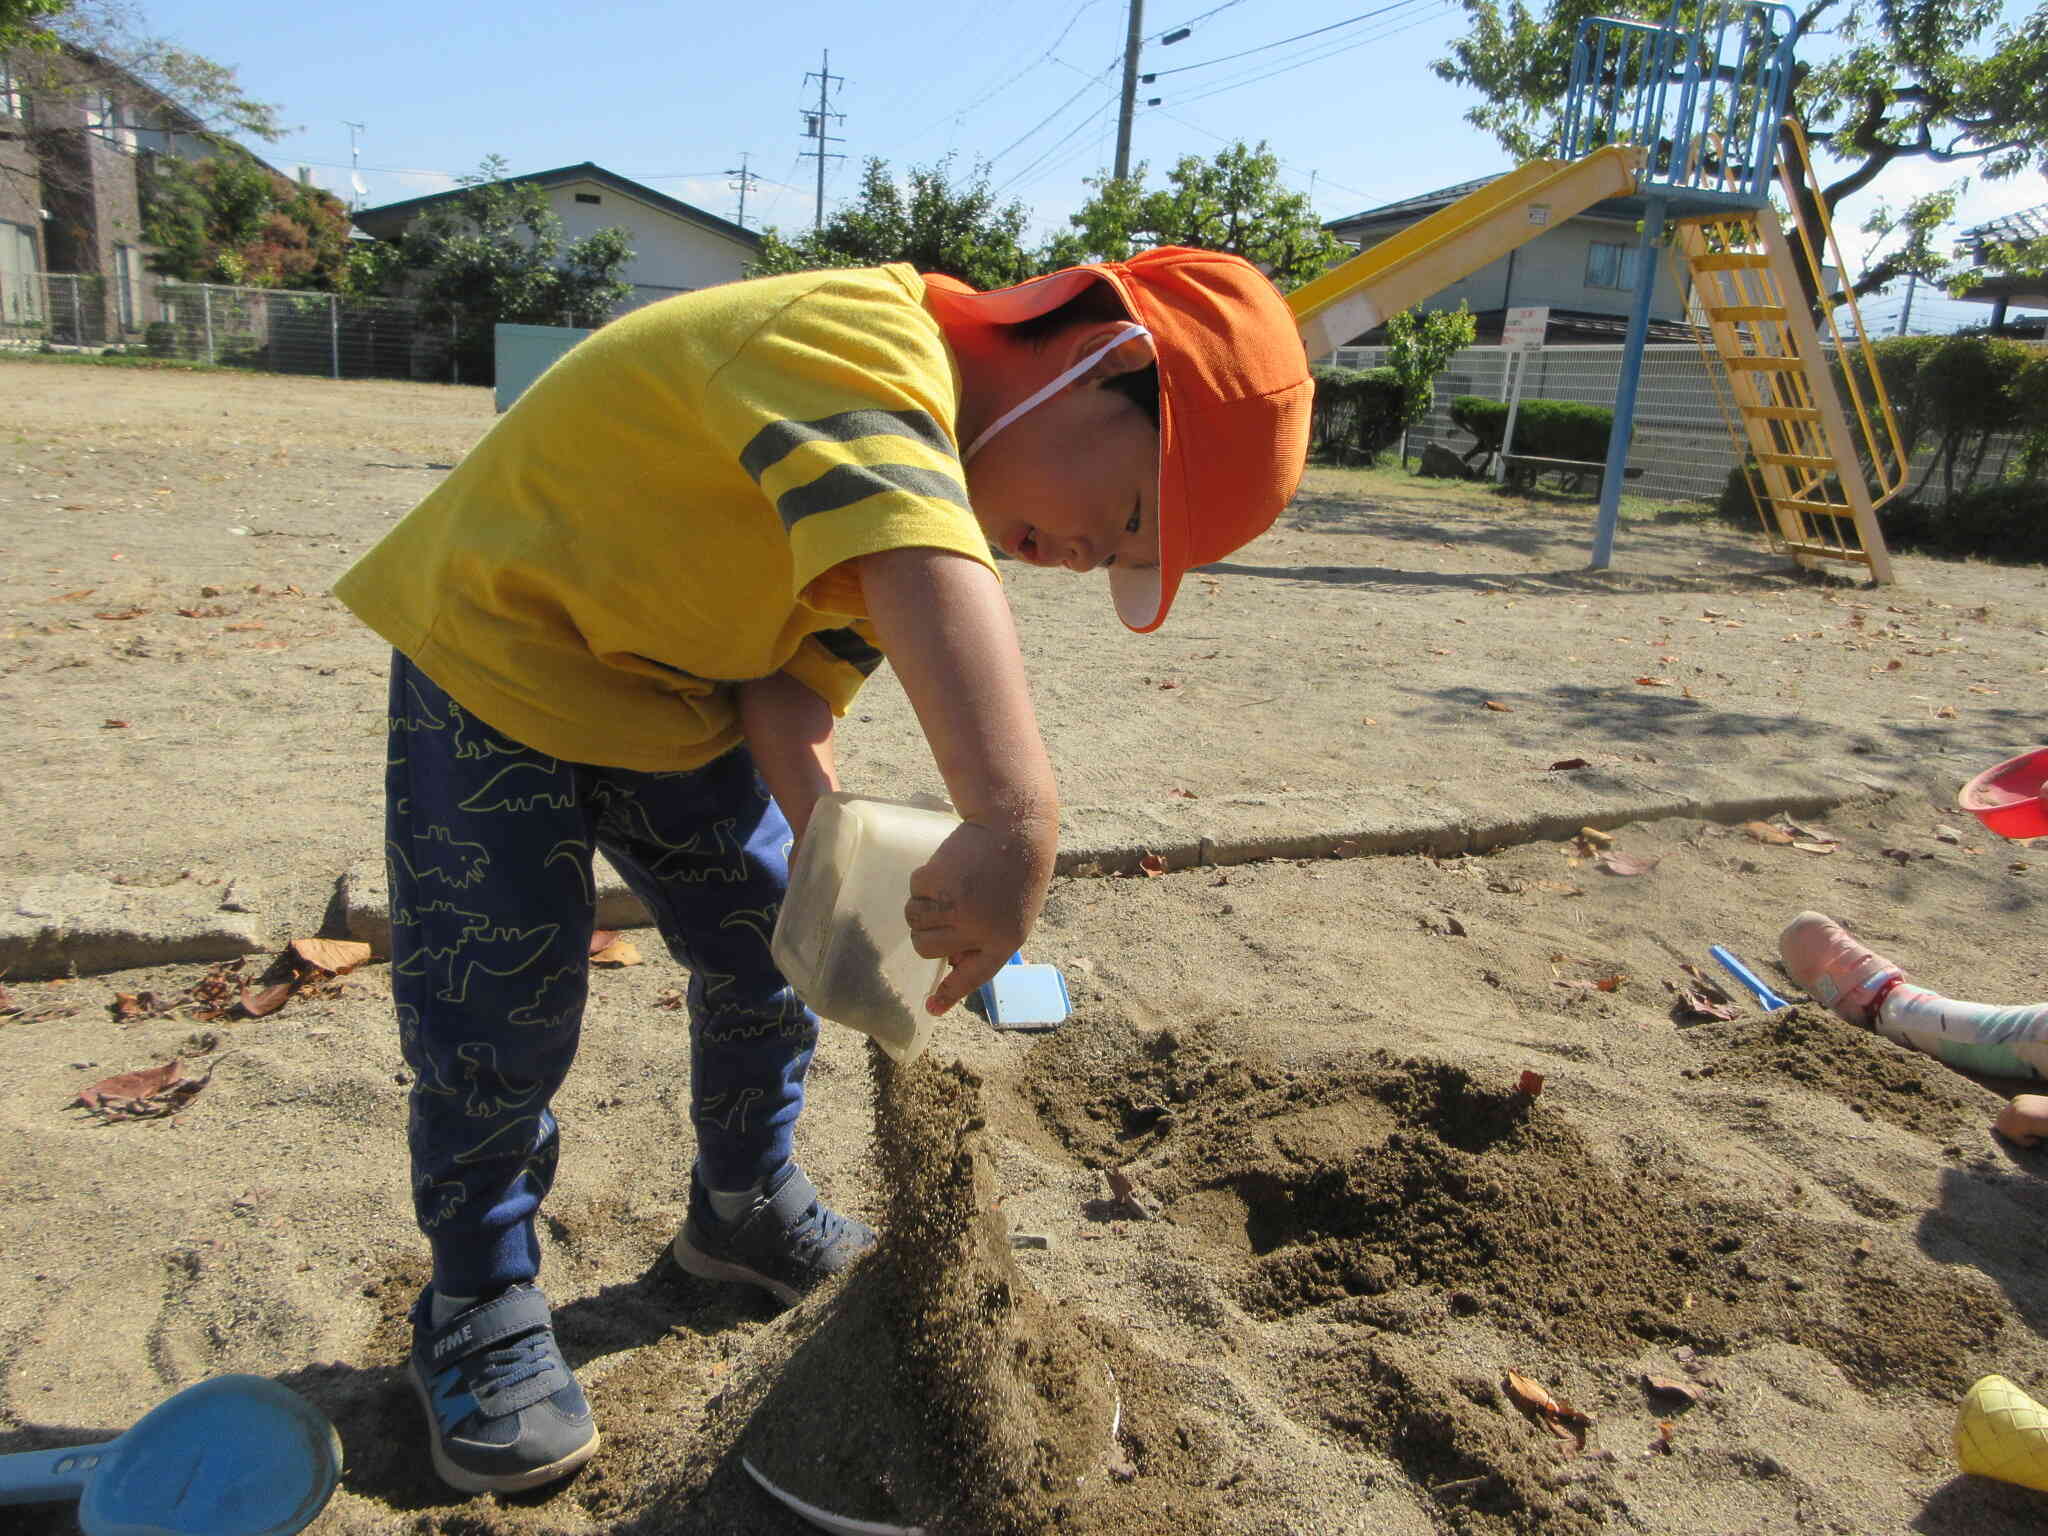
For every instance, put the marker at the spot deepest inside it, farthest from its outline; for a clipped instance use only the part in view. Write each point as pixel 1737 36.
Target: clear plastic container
pixel 841 939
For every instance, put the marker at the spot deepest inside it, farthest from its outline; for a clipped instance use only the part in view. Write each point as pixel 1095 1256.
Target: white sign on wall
pixel 1525 325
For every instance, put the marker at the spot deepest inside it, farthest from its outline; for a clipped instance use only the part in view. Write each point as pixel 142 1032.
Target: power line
pixel 1055 112
pixel 1302 63
pixel 1160 74
pixel 1008 77
pixel 1194 21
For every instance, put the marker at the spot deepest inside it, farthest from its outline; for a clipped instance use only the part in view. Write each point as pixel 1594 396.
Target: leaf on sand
pixel 1616 863
pixel 1697 1007
pixel 113 725
pixel 337 957
pixel 1152 864
pixel 1804 847
pixel 1665 1386
pixel 1764 832
pixel 1663 1441
pixel 265 1001
pixel 130 1085
pixel 1529 1084
pixel 1499 708
pixel 618 952
pixel 1706 986
pixel 1653 682
pixel 1560 1418
pixel 1567 764
pixel 1595 837
pixel 1580 984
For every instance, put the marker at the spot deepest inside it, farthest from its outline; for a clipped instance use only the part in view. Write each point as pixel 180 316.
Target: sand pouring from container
pixel 233 1456
pixel 841 938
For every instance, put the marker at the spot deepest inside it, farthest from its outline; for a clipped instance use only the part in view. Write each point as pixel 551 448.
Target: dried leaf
pixel 1663 1441
pixel 1948 835
pixel 1529 1084
pixel 618 952
pixel 142 1084
pixel 1182 794
pixel 1615 863
pixel 122 613
pixel 1594 835
pixel 1653 682
pixel 236 629
pixel 1567 764
pixel 113 725
pixel 1611 983
pixel 1164 686
pixel 1529 1395
pixel 1698 1007
pixel 1499 708
pixel 1667 1387
pixel 266 1001
pixel 669 998
pixel 1152 864
pixel 1707 986
pixel 1765 832
pixel 337 957
pixel 72 597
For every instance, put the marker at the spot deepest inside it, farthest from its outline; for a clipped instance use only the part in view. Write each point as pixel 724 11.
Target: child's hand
pixel 975 902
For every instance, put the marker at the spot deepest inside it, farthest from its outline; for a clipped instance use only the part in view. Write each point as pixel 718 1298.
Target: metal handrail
pixel 1890 481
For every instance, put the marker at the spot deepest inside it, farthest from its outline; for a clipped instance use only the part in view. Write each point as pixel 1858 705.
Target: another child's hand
pixel 2024 1120
pixel 974 903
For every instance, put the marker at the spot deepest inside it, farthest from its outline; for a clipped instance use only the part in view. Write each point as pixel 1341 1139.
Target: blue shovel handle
pixel 1766 998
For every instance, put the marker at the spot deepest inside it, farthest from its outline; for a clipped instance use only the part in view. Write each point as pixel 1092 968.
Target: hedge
pixel 1544 429
pixel 1358 411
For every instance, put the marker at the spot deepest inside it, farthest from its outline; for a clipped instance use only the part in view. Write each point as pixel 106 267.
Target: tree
pixel 25 23
pixel 494 253
pixel 939 226
pixel 1234 203
pixel 1943 81
pixel 1419 344
pixel 228 219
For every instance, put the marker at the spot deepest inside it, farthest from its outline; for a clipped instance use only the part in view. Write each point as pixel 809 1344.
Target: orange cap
pixel 1234 399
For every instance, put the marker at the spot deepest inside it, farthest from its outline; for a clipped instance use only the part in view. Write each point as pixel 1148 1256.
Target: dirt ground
pixel 1307 1067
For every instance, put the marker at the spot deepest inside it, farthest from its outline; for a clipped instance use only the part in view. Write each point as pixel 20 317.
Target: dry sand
pixel 1307 1066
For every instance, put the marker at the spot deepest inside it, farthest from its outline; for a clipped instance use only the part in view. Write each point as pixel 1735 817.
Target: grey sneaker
pixel 787 1244
pixel 503 1410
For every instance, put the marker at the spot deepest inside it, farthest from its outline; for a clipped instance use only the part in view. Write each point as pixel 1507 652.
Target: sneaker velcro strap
pixel 797 1195
pixel 518 1311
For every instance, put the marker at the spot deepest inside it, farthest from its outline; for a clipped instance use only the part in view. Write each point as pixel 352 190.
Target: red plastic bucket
pixel 2009 798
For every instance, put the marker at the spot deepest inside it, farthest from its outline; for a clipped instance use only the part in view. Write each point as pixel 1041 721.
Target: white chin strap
pixel 1038 398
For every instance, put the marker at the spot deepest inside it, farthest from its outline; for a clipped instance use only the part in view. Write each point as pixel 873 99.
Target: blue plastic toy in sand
pixel 1023 996
pixel 233 1456
pixel 1768 1000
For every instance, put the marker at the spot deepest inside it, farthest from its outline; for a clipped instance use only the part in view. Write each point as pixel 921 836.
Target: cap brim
pixel 1020 301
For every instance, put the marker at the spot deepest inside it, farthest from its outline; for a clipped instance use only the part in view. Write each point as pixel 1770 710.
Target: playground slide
pixel 1479 228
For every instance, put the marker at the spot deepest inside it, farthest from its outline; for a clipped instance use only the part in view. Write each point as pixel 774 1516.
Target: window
pixel 21 291
pixel 125 271
pixel 588 197
pixel 1610 265
pixel 11 103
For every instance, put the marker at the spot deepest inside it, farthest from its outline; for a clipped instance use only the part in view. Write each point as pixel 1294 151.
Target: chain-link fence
pixel 272 329
pixel 1680 447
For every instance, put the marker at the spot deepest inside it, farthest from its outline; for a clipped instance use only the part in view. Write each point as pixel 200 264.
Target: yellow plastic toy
pixel 2003 1433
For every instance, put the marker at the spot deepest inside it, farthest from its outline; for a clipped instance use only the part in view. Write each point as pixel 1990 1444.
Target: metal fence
pixel 1680 444
pixel 276 330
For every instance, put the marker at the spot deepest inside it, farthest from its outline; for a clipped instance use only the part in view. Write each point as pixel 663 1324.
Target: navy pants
pixel 488 845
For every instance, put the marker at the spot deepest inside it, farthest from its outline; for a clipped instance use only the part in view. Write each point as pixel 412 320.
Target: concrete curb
pixel 66 923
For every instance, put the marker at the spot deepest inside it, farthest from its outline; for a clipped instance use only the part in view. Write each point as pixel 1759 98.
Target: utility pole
pixel 1133 36
pixel 355 175
pixel 814 129
pixel 746 179
pixel 1906 314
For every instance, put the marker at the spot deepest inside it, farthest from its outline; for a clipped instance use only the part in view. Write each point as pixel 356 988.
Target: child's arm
pixel 946 628
pixel 789 732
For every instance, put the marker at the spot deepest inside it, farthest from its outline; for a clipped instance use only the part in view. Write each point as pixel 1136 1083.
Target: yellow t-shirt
pixel 663 514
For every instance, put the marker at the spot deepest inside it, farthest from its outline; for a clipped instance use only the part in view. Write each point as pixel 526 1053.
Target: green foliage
pixel 228 219
pixel 494 254
pixel 1880 82
pixel 1358 412
pixel 1544 429
pixel 160 339
pixel 25 23
pixel 1234 202
pixel 937 225
pixel 1419 344
pixel 2007 523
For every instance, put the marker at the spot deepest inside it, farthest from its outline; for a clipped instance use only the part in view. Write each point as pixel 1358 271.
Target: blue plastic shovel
pixel 1766 998
pixel 234 1456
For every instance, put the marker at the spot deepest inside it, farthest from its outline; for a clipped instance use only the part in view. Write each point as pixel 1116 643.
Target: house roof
pixel 2013 228
pixel 1410 210
pixel 395 216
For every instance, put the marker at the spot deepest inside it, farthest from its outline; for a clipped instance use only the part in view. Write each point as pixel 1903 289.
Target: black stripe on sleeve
pixel 778 439
pixel 848 646
pixel 845 484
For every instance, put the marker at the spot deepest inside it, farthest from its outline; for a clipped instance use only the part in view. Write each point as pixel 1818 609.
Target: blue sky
pixel 675 95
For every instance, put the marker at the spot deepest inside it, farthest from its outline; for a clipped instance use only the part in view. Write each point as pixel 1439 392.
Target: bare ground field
pixel 1307 1066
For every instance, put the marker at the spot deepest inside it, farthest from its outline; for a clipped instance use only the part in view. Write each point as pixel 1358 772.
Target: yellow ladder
pixel 1784 410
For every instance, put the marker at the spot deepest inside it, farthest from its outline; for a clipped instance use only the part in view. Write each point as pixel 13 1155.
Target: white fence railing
pixel 1680 443
pixel 277 330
